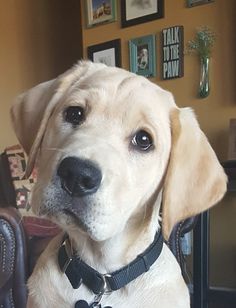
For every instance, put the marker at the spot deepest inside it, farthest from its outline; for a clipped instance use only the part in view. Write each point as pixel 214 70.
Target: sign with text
pixel 172 54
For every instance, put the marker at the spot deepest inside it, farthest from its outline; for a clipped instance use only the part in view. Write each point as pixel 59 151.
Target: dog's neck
pixel 121 249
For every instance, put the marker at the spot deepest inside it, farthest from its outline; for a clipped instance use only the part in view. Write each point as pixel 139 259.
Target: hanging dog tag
pixel 82 304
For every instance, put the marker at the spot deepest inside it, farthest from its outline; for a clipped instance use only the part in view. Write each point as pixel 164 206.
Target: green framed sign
pixel 142 51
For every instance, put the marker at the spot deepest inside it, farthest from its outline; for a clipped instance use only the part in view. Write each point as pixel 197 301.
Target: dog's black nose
pixel 79 177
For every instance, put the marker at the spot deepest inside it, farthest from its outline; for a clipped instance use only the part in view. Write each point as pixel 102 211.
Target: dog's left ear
pixel 30 114
pixel 195 180
pixel 31 110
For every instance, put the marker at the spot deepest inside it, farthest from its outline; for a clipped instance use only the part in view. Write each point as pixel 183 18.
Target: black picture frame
pixel 107 52
pixel 143 13
pixel 192 3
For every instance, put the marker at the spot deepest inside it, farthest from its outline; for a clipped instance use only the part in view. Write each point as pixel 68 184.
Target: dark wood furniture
pixel 204 294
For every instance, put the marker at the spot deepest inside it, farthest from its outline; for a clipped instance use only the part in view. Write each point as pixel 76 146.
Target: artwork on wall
pixel 172 52
pixel 232 139
pixel 192 3
pixel 134 12
pixel 108 53
pixel 142 52
pixel 100 11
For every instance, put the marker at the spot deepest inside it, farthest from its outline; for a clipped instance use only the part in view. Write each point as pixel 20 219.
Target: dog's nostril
pixel 88 182
pixel 79 177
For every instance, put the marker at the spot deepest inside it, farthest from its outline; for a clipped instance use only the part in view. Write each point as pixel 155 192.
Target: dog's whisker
pixel 55 149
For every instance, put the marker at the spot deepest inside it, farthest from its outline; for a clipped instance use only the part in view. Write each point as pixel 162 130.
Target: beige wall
pixel 213 112
pixel 38 40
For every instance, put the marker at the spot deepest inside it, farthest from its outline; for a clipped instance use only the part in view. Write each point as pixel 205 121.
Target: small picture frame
pixel 232 140
pixel 142 51
pixel 100 12
pixel 108 53
pixel 192 3
pixel 135 12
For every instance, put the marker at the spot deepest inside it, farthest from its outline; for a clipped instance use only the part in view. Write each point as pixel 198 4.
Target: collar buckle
pixel 104 286
pixel 69 252
pixel 106 289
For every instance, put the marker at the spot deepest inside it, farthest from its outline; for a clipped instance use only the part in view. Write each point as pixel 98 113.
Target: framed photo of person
pixel 142 51
pixel 108 53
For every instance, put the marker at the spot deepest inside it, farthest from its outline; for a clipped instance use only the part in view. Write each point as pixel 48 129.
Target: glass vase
pixel 204 87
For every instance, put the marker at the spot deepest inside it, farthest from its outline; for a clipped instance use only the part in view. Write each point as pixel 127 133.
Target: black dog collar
pixel 79 272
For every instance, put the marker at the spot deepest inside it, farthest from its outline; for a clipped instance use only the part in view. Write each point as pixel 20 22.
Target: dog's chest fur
pixel 146 291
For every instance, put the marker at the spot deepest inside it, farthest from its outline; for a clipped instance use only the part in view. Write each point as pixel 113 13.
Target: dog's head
pixel 108 144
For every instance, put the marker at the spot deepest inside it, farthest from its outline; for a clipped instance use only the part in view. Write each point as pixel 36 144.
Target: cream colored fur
pixel 122 217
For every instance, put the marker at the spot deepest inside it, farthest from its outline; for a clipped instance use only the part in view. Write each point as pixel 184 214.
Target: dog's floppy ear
pixel 30 114
pixel 195 180
pixel 27 113
pixel 32 109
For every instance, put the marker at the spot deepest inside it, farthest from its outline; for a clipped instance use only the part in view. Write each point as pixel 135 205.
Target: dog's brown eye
pixel 142 140
pixel 74 115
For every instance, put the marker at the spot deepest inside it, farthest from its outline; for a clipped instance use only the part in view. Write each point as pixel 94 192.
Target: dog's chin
pixel 72 223
pixel 68 221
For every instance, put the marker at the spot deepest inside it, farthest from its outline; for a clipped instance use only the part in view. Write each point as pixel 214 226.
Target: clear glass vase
pixel 204 87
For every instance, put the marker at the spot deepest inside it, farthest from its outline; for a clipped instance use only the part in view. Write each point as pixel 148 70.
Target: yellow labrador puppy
pixel 110 148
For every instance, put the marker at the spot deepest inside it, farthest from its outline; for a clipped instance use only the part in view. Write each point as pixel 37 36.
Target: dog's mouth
pixel 75 218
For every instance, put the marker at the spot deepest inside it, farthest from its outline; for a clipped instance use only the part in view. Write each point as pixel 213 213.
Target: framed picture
pixel 100 11
pixel 191 3
pixel 135 12
pixel 108 53
pixel 232 140
pixel 142 52
pixel 173 52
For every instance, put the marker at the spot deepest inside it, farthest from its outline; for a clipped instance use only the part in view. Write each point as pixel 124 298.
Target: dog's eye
pixel 74 115
pixel 142 140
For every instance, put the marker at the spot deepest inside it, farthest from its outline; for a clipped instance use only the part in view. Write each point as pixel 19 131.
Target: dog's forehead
pixel 116 90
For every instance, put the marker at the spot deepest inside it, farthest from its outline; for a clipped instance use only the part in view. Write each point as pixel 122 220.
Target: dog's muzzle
pixel 79 177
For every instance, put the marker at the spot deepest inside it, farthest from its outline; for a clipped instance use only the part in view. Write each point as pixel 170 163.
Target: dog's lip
pixel 72 213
